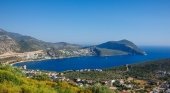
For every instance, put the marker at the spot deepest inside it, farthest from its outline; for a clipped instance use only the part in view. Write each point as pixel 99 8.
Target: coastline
pixel 45 59
pixel 60 58
pixel 26 61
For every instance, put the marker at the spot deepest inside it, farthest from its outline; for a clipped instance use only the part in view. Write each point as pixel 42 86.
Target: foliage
pixel 9 77
pixel 100 89
pixel 42 77
pixel 13 70
pixel 13 81
pixel 143 71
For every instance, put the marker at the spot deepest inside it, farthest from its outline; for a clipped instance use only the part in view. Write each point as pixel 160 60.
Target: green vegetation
pixel 100 89
pixel 42 77
pixel 12 80
pixel 8 76
pixel 107 74
pixel 142 77
pixel 145 70
pixel 134 78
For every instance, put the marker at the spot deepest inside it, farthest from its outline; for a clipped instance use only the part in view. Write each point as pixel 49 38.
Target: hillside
pixel 13 80
pixel 7 44
pixel 146 77
pixel 140 78
pixel 28 43
pixel 145 70
pixel 150 70
pixel 108 52
pixel 122 45
pixel 12 43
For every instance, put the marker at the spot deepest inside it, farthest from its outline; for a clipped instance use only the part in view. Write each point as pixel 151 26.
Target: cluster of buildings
pixel 161 73
pixel 63 53
pixel 54 76
pixel 88 70
pixel 164 87
pixel 58 76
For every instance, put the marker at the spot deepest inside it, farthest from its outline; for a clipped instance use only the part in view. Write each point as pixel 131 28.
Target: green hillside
pixel 144 70
pixel 12 80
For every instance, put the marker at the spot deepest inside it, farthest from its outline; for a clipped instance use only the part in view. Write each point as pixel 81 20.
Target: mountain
pixel 121 46
pixel 26 43
pixel 7 44
pixel 107 52
pixel 14 42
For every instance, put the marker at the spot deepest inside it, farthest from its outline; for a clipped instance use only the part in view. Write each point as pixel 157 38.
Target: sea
pixel 97 62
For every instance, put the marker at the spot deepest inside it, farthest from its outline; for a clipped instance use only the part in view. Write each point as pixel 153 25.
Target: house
pixel 104 82
pixel 24 67
pixel 167 91
pixel 122 81
pixel 89 82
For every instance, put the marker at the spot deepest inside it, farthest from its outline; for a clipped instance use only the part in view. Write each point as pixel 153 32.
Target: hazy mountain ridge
pixel 13 42
pixel 28 43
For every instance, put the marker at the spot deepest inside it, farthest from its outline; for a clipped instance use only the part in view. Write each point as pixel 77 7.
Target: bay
pixel 96 62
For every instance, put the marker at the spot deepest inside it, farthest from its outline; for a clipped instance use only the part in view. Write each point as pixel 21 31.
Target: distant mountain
pixel 13 42
pixel 121 46
pixel 22 43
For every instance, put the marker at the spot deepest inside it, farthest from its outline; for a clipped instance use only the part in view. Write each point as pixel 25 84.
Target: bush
pixel 8 87
pixel 9 77
pixel 41 77
pixel 34 89
pixel 100 89
pixel 11 69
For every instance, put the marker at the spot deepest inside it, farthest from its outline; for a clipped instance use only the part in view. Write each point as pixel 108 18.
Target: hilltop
pixel 122 47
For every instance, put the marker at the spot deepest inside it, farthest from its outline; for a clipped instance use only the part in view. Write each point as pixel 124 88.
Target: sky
pixel 144 22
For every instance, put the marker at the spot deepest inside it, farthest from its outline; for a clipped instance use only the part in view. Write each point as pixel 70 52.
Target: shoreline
pixel 139 62
pixel 46 59
pixel 25 61
pixel 61 58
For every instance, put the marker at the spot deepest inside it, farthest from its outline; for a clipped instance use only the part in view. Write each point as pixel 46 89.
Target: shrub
pixel 9 77
pixel 100 89
pixel 41 77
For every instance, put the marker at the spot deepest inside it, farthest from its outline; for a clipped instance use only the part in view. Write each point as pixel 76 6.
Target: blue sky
pixel 145 22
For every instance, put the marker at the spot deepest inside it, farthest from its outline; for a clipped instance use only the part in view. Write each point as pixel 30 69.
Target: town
pixel 124 85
